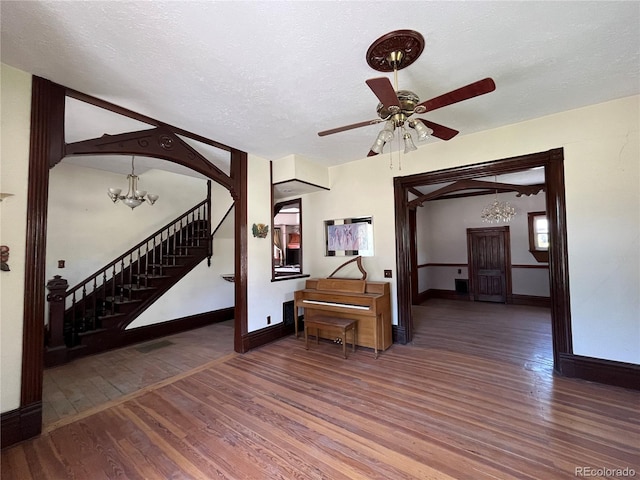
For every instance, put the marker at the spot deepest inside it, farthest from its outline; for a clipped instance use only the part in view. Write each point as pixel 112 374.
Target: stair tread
pixel 119 300
pixel 151 275
pixel 137 288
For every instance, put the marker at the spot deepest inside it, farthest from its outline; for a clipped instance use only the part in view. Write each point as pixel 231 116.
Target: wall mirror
pixel 287 238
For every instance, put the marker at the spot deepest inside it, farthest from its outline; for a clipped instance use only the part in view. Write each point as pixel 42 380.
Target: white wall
pixel 441 234
pixel 601 149
pixel 265 298
pixel 15 116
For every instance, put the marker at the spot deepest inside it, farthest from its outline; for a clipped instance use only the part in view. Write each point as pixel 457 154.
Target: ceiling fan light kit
pixel 392 52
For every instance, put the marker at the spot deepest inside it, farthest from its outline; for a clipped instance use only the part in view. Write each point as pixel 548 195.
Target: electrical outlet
pixel 459 271
pixel 387 274
pixel 268 319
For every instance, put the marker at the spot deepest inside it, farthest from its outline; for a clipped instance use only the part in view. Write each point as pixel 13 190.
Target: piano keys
pixel 367 302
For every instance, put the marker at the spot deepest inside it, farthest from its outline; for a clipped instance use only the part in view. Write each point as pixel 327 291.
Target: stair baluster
pixel 120 288
pixel 103 299
pixel 138 269
pixel 72 319
pixel 113 290
pixel 84 309
pixel 94 312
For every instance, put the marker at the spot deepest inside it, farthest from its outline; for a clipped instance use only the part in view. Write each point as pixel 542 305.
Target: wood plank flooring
pixel 91 382
pixel 446 406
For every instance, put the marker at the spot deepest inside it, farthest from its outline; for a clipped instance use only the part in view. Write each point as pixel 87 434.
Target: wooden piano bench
pixel 332 324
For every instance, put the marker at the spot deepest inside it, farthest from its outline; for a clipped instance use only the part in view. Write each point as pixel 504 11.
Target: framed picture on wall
pixel 349 237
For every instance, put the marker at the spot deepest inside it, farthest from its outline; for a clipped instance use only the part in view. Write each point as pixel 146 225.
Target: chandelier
pixel 498 211
pixel 134 197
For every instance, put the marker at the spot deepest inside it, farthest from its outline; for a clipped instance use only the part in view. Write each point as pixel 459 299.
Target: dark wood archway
pixel 47 147
pixel 553 163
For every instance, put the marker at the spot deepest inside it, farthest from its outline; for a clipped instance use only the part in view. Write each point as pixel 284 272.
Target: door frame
pixel 47 148
pixel 553 163
pixel 507 260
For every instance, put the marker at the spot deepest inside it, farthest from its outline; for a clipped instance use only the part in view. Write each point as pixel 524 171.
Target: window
pixel 539 236
pixel 287 239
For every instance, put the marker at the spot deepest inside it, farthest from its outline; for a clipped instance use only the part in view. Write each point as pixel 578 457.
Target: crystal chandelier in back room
pixel 498 211
pixel 134 197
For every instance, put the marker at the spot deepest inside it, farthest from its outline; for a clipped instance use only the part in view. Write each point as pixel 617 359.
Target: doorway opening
pixel 552 162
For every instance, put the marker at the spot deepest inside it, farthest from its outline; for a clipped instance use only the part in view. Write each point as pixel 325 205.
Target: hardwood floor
pixel 90 383
pixel 446 406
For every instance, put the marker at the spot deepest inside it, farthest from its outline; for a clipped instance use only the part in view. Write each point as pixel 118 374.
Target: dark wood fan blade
pixel 440 131
pixel 371 153
pixel 463 93
pixel 384 91
pixel 349 127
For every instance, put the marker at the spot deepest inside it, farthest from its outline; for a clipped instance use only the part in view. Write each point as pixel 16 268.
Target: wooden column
pixel 46 148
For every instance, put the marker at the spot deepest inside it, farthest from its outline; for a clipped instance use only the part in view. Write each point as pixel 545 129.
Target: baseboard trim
pixel 178 325
pixel 530 300
pixel 398 334
pixel 610 372
pixel 257 338
pixel 514 299
pixel 20 424
pixel 443 294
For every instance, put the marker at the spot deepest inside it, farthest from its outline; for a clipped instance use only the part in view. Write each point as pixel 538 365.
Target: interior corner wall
pixel 264 296
pixel 602 185
pixel 15 116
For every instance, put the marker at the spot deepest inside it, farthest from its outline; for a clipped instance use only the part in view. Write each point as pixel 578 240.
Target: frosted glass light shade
pixel 409 146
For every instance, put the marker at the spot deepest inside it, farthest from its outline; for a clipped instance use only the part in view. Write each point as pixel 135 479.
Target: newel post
pixel 56 351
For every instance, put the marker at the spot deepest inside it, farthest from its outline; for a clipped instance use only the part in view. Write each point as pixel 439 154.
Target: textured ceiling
pixel 265 77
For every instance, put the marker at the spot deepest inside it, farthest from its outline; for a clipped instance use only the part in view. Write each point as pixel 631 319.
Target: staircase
pixel 95 313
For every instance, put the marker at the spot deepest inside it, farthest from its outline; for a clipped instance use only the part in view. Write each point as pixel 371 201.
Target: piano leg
pixel 377 322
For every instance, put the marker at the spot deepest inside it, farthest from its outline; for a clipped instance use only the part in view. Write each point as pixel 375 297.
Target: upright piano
pixel 367 302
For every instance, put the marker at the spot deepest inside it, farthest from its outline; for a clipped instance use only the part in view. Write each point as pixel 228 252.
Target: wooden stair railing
pixel 115 295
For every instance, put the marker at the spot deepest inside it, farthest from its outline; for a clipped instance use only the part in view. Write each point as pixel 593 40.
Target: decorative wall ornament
pixel 4 258
pixel 260 230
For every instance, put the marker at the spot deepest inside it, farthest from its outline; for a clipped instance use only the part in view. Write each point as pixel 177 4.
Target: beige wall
pixel 15 116
pixel 602 178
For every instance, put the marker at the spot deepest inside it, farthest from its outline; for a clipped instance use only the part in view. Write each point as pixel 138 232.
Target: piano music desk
pixel 332 324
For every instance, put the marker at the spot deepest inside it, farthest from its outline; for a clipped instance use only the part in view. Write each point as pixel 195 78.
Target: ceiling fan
pixel 392 52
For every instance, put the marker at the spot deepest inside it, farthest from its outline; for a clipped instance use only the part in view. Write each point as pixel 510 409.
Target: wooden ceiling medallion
pixel 399 48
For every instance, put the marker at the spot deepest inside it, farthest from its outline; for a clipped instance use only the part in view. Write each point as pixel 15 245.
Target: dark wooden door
pixel 489 263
